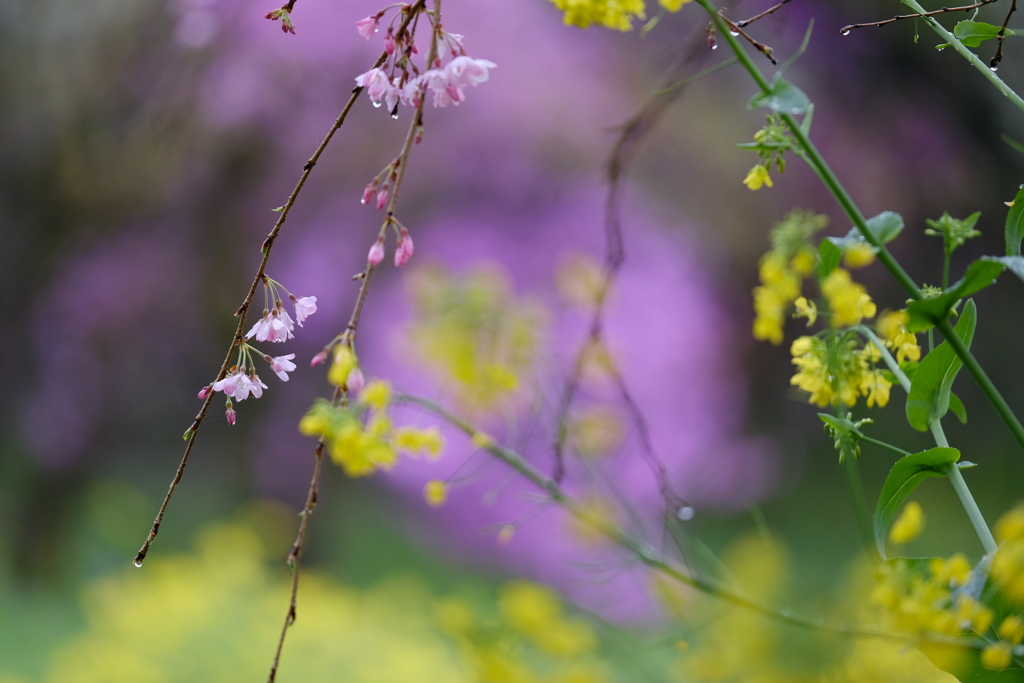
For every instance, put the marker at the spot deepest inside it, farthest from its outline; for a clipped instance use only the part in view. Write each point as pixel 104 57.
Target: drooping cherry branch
pixel 193 431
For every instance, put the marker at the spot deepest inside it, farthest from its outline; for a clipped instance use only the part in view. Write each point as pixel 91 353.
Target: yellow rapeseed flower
pixel 416 441
pixel 376 394
pixel 848 301
pixel 806 309
pixel 908 525
pixel 997 656
pixel 435 492
pixel 1012 629
pixel 1010 526
pixel 858 255
pixel 345 362
pixel 758 177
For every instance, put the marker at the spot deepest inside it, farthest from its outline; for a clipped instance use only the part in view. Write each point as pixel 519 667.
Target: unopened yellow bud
pixel 996 656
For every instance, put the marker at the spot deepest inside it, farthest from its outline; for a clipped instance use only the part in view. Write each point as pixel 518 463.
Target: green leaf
pixel 829 256
pixel 905 475
pixel 783 97
pixel 1014 264
pixel 929 395
pixel 1015 224
pixel 927 313
pixel 885 226
pixel 958 408
pixel 974 33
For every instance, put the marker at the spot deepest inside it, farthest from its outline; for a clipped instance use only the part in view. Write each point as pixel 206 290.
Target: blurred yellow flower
pixel 908 525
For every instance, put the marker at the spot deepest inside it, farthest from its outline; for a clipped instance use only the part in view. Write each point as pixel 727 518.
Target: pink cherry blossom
pixel 230 384
pixel 249 384
pixel 304 307
pixel 261 328
pixel 282 365
pixel 463 71
pixel 376 254
pixel 404 251
pixel 231 416
pixel 368 26
pixel 205 391
pixel 355 381
pixel 377 85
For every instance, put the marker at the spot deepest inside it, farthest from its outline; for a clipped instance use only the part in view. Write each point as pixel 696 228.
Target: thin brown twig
pixel 762 15
pixel 759 46
pixel 633 132
pixel 348 337
pixel 899 17
pixel 242 311
pixel 998 57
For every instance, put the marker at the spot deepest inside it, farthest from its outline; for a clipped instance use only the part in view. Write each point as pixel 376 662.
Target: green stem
pixel 860 503
pixel 887 358
pixel 972 58
pixel 987 388
pixel 655 560
pixel 823 171
pixel 964 493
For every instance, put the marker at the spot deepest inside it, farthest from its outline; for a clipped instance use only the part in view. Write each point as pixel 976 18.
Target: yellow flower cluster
pixel 917 601
pixel 848 301
pixel 781 276
pixel 531 639
pixel 782 271
pixel 363 448
pixel 613 14
pixel 475 331
pixel 220 604
pixel 835 370
pixel 892 328
pixel 1007 574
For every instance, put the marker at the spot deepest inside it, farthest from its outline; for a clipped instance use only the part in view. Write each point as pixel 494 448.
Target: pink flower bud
pixel 367 27
pixel 204 392
pixel 231 416
pixel 382 197
pixel 355 380
pixel 369 192
pixel 404 251
pixel 376 254
pixel 318 359
pixel 389 43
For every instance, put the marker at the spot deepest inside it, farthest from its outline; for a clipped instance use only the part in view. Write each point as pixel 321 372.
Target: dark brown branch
pixel 268 244
pixel 763 14
pixel 633 132
pixel 348 337
pixel 759 46
pixel 1002 35
pixel 899 17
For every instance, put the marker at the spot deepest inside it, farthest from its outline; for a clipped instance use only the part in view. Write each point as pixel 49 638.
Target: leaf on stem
pixel 1015 224
pixel 905 475
pixel 783 97
pixel 829 256
pixel 930 390
pixel 974 33
pixel 926 313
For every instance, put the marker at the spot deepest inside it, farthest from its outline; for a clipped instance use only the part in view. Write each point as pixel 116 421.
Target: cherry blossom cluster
pixel 284 14
pixel 276 325
pixel 400 80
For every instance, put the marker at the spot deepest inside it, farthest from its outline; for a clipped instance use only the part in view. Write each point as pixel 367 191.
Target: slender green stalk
pixel 971 58
pixel 986 385
pixel 818 164
pixel 860 504
pixel 654 559
pixel 964 493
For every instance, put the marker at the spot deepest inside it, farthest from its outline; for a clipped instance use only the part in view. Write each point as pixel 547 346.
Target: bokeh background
pixel 144 146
